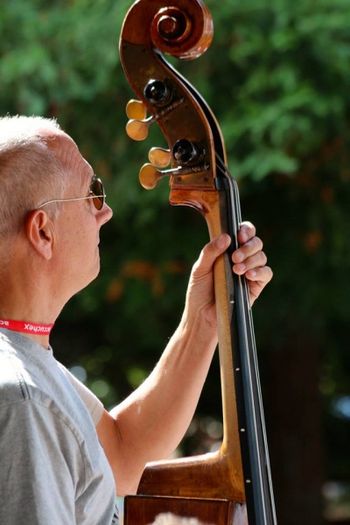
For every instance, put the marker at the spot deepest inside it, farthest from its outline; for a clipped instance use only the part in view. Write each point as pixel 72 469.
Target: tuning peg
pixel 159 157
pixel 137 129
pixel 137 126
pixel 136 109
pixel 149 176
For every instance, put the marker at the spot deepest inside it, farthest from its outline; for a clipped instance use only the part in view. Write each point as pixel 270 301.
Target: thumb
pixel 211 252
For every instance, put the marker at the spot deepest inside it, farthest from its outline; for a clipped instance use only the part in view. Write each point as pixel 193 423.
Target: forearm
pixel 152 420
pixel 165 402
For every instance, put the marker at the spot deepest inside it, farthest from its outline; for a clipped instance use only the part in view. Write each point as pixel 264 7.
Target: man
pixel 53 469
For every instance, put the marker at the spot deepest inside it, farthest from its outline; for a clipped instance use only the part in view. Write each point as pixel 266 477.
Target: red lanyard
pixel 26 327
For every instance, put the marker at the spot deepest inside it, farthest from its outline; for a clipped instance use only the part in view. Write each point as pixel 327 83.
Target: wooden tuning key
pixel 149 176
pixel 138 124
pixel 137 129
pixel 136 110
pixel 159 157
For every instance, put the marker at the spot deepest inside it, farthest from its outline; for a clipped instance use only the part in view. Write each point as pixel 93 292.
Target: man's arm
pixel 151 422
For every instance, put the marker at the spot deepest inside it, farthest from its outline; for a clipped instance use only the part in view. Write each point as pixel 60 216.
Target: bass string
pixel 254 376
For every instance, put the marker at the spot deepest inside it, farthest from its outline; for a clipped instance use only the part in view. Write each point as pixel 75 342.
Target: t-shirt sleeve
pixel 92 403
pixel 40 475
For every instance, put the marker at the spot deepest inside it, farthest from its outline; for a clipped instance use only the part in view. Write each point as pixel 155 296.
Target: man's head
pixel 39 163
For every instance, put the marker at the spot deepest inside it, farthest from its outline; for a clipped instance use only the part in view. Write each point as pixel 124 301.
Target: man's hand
pixel 248 260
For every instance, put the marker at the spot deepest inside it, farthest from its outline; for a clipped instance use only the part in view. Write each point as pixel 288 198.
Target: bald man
pixel 63 456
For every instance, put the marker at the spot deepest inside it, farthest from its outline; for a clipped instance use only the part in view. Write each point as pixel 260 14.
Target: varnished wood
pixel 218 474
pixel 140 27
pixel 187 118
pixel 184 29
pixel 215 475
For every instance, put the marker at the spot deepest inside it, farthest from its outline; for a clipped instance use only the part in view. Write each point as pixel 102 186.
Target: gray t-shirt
pixel 53 470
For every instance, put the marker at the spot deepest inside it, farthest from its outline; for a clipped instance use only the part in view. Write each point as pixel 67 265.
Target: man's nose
pixel 105 214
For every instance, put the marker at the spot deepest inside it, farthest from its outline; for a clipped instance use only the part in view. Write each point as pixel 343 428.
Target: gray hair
pixel 29 170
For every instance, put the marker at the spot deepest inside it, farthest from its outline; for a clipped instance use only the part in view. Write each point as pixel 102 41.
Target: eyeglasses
pixel 96 193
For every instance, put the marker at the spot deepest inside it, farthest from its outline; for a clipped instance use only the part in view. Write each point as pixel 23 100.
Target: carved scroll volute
pixel 183 29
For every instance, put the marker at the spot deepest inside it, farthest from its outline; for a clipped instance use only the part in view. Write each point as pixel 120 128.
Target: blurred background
pixel 277 77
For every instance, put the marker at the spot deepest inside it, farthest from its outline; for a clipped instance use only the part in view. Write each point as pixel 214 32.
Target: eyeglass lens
pixel 98 191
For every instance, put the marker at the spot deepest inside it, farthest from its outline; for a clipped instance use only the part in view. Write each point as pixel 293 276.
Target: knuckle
pixel 263 257
pixel 253 246
pixel 258 243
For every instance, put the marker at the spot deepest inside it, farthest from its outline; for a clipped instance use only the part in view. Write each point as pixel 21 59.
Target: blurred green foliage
pixel 277 78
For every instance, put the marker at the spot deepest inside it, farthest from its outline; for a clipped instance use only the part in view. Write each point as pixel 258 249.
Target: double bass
pixel 233 485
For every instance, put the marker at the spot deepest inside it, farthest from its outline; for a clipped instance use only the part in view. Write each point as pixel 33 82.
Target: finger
pixel 255 290
pixel 260 276
pixel 211 252
pixel 246 231
pixel 257 280
pixel 248 249
pixel 251 263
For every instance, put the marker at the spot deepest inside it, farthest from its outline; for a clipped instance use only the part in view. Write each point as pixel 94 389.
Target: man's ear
pixel 40 232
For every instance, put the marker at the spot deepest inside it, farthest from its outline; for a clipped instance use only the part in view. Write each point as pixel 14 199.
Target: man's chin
pixel 93 276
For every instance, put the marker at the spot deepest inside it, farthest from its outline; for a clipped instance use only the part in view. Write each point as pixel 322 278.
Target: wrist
pixel 199 326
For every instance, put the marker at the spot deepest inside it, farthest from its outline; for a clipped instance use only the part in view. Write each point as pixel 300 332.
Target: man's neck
pixel 27 312
pixel 39 332
pixel 30 296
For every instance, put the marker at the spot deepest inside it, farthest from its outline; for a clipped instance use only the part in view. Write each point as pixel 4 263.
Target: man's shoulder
pixel 13 386
pixel 24 378
pixel 31 376
pixel 25 398
pixel 27 372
